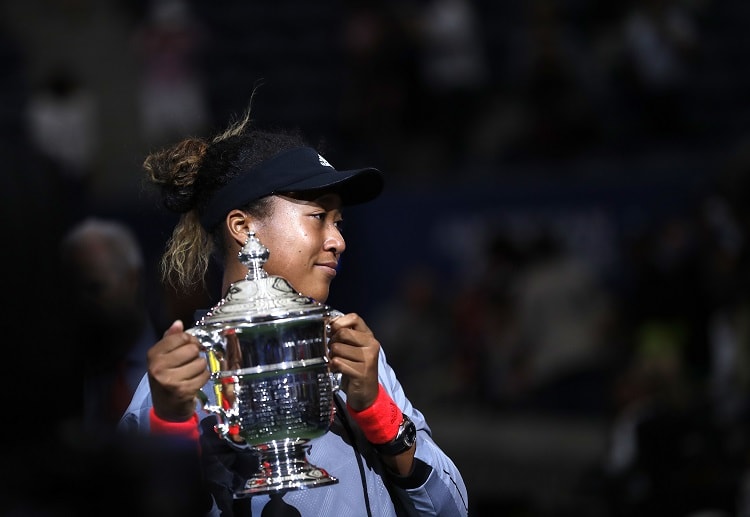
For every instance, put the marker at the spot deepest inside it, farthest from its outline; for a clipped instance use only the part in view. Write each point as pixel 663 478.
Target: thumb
pixel 175 328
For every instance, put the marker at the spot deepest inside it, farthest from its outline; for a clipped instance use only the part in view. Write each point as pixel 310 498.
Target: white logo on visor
pixel 324 162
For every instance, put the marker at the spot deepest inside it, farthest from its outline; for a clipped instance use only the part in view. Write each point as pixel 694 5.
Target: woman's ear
pixel 239 224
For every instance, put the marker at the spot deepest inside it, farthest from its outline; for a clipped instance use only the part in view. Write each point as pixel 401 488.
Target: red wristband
pixel 380 421
pixel 187 429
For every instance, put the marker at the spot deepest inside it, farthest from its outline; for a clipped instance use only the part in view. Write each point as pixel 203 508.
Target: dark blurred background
pixel 558 269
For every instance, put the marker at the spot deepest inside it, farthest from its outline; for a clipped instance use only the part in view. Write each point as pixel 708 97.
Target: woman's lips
pixel 329 268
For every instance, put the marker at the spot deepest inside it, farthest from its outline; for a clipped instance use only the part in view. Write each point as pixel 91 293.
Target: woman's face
pixel 304 238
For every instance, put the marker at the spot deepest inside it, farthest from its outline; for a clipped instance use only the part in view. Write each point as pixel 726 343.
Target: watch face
pixel 410 431
pixel 405 439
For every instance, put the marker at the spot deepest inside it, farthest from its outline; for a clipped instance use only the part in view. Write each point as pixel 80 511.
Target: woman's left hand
pixel 353 351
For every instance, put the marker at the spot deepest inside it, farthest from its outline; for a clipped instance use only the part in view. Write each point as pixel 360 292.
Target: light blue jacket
pixel 434 488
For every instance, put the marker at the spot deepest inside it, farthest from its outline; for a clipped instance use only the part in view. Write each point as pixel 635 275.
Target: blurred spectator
pixel 491 365
pixel 535 329
pixel 453 57
pixel 732 220
pixel 171 92
pixel 454 76
pixel 668 290
pixel 668 455
pixel 62 122
pixel 379 82
pixel 62 116
pixel 681 406
pixel 724 250
pixel 417 335
pixel 87 43
pixel 109 328
pixel 566 323
pixel 660 42
pixel 555 83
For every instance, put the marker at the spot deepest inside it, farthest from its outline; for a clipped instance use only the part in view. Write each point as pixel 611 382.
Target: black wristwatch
pixel 405 438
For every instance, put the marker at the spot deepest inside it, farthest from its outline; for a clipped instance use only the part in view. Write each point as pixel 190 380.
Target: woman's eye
pixel 323 217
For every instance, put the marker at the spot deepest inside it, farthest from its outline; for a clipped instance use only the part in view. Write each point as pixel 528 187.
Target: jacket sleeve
pixel 135 420
pixel 435 486
pixel 138 419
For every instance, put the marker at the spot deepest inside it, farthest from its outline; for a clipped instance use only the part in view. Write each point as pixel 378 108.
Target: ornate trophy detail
pixel 267 352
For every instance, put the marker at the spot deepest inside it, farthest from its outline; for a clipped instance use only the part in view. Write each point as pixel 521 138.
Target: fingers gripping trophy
pixel 266 346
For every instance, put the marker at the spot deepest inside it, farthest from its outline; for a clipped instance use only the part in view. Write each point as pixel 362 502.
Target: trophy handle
pixel 335 377
pixel 335 381
pixel 212 343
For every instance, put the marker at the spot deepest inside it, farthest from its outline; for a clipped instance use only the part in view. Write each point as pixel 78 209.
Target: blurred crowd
pixel 654 338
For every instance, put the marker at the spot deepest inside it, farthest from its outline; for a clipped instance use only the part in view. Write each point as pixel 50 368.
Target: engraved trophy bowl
pixel 266 346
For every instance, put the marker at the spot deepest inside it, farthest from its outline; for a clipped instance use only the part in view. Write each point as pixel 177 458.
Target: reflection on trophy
pixel 267 352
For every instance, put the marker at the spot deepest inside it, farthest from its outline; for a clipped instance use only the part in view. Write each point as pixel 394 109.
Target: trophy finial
pixel 253 255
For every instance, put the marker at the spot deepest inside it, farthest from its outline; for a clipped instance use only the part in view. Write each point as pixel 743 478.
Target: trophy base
pixel 310 478
pixel 284 467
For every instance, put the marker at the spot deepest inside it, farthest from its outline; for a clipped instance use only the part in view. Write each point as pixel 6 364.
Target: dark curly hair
pixel 188 174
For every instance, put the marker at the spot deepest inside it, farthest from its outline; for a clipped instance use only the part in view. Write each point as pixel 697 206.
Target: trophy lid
pixel 260 297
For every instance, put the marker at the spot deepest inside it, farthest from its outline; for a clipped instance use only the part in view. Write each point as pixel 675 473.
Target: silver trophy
pixel 266 346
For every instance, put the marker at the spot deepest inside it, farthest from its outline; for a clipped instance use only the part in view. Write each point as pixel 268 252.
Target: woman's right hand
pixel 176 371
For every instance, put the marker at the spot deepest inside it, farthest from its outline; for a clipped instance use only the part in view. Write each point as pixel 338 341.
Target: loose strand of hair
pixel 239 126
pixel 186 259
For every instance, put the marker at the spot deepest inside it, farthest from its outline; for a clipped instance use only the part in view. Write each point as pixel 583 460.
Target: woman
pixel 247 180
